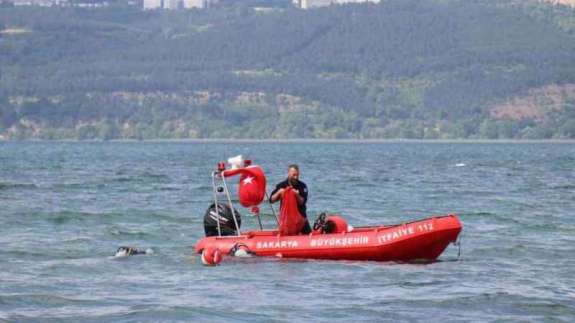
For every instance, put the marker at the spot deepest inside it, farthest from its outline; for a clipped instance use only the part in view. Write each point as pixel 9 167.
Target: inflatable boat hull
pixel 419 240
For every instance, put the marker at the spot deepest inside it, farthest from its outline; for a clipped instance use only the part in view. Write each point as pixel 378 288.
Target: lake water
pixel 65 207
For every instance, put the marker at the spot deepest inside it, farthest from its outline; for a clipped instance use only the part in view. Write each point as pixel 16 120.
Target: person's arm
pixel 276 194
pixel 298 197
pixel 301 195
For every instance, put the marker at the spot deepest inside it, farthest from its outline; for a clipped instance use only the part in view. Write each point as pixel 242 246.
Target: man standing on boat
pixel 299 188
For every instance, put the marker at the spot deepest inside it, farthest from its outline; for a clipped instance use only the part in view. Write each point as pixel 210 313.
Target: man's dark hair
pixel 294 166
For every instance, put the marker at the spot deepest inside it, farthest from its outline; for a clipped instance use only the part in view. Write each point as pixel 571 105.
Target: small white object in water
pixel 121 253
pixel 242 253
pixel 240 250
pixel 460 165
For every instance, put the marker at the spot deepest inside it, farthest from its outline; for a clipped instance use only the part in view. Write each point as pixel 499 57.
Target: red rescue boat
pixel 332 238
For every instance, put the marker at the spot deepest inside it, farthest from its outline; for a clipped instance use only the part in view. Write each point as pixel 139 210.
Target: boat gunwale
pixel 376 228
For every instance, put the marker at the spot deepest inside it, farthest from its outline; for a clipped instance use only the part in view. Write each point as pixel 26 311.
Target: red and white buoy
pixel 211 256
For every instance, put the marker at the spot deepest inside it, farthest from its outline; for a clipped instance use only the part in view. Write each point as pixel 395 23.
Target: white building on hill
pixel 308 4
pixel 171 4
pixel 40 3
pixel 190 4
pixel 152 4
pixel 177 4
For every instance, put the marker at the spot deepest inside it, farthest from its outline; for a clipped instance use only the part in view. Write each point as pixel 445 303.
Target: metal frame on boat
pixel 218 175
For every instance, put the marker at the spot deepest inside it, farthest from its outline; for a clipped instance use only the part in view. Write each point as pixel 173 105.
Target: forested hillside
pixel 398 69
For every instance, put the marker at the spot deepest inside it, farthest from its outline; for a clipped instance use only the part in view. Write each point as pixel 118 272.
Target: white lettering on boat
pixel 277 244
pixel 339 242
pixel 425 227
pixel 395 234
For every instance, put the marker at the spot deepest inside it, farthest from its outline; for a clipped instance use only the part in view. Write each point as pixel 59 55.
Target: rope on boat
pixel 458 244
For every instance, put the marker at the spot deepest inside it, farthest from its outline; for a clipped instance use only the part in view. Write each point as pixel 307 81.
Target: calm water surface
pixel 66 207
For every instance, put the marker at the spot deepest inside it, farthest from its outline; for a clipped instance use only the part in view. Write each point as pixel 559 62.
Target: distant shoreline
pixel 313 141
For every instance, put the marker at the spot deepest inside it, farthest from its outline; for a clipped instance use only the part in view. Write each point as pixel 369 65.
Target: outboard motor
pixel 224 216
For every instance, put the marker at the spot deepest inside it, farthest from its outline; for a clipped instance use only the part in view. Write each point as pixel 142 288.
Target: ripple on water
pixel 64 217
pixel 58 235
pixel 5 186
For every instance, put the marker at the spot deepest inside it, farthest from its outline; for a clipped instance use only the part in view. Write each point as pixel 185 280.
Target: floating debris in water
pixel 131 251
pixel 241 250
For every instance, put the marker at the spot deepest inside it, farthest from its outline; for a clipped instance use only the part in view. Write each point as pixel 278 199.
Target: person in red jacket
pixel 299 188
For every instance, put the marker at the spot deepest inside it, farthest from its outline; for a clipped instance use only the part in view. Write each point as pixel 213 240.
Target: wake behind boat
pixel 331 238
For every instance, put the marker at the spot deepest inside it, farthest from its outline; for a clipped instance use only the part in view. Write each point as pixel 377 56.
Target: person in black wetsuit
pixel 301 193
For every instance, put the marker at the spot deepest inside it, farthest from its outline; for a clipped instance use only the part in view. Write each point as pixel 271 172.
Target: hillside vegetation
pixel 398 69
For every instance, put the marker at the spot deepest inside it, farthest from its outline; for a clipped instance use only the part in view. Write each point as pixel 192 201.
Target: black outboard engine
pixel 224 216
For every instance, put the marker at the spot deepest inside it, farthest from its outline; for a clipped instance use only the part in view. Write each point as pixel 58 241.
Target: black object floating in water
pixel 131 251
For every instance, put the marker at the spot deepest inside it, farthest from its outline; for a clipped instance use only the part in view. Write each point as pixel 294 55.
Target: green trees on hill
pixel 402 68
